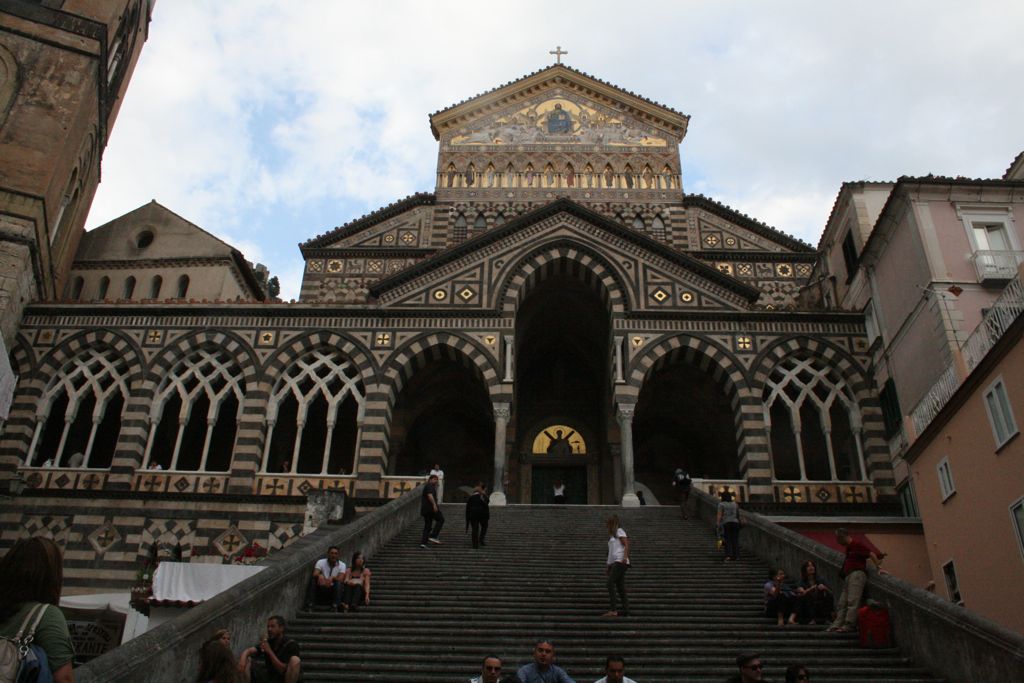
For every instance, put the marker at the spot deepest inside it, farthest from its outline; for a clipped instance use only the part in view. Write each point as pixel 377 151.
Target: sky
pixel 268 122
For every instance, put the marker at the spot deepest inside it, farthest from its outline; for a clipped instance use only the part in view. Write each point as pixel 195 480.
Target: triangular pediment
pixel 645 274
pixel 559 105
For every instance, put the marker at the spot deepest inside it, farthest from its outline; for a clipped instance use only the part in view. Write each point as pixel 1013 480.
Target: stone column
pixel 509 358
pixel 624 415
pixel 501 415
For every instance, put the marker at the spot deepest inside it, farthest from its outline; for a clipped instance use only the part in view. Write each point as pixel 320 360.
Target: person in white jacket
pixel 615 671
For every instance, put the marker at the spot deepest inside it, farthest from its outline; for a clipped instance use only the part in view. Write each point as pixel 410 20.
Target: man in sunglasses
pixel 750 671
pixel 490 670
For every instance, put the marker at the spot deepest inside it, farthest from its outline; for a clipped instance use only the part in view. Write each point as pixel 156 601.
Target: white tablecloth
pixel 195 582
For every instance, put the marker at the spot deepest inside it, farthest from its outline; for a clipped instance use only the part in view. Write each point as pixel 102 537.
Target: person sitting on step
pixel 326 583
pixel 813 596
pixel 275 659
pixel 779 598
pixel 543 669
pixel 356 583
pixel 615 671
pixel 750 669
pixel 490 670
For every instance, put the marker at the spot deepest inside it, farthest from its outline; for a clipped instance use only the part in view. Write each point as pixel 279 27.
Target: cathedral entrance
pixel 443 417
pixel 562 394
pixel 684 419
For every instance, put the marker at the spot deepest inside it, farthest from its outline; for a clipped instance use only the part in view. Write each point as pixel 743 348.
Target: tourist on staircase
pixel 751 670
pixel 798 673
pixel 779 598
pixel 356 583
pixel 616 566
pixel 275 659
pixel 682 484
pixel 543 669
pixel 729 521
pixel 490 670
pixel 217 664
pixel 615 671
pixel 813 596
pixel 31 577
pixel 326 582
pixel 430 510
pixel 558 491
pixel 439 473
pixel 478 513
pixel 855 578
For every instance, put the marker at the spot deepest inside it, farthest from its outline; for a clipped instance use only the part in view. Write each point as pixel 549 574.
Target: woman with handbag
pixel 31 574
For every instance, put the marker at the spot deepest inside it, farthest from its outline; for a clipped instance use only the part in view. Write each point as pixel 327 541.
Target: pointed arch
pixel 450 174
pixel 658 228
pixel 154 287
pixel 588 171
pixel 489 177
pixel 638 223
pixel 627 176
pixel 459 228
pixel 480 224
pixel 609 176
pixel 128 291
pixel 510 176
pixel 550 179
pixel 470 175
pixel 456 347
pixel 101 290
pixel 570 175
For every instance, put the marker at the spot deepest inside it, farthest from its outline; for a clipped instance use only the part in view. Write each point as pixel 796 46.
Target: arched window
pixel 79 415
pixel 154 287
pixel 101 291
pixel 480 224
pixel 195 413
pixel 814 423
pixel 313 414
pixel 638 222
pixel 499 219
pixel 129 287
pixel 183 282
pixel 75 288
pixel 658 228
pixel 459 228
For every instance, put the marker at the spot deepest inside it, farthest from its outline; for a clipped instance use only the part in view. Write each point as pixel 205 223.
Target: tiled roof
pixel 556 67
pixel 835 202
pixel 1017 162
pixel 381 214
pixel 763 229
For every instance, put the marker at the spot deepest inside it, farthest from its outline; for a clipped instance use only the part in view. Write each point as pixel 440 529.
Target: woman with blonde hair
pixel 615 568
pixel 31 576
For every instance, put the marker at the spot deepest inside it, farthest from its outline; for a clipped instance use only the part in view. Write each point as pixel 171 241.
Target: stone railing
pixel 936 398
pixel 737 487
pixel 952 642
pixel 169 653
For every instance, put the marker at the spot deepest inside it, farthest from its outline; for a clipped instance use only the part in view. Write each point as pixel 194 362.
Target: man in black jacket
pixel 430 510
pixel 478 513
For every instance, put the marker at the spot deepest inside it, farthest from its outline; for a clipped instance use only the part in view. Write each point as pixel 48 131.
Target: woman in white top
pixel 618 563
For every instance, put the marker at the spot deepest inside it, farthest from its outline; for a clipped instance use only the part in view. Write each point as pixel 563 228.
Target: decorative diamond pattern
pixel 408 238
pixel 315 266
pixel 230 542
pixel 659 295
pixel 62 481
pixel 440 295
pixel 824 495
pixel 466 294
pixel 305 488
pixel 102 537
pixel 182 484
pixel 686 297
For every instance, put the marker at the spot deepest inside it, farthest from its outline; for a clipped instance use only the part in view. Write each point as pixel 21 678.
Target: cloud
pixel 270 122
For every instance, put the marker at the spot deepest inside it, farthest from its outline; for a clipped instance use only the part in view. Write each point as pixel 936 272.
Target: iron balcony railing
pixel 997 265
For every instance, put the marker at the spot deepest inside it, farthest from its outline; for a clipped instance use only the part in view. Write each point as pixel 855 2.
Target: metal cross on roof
pixel 558 52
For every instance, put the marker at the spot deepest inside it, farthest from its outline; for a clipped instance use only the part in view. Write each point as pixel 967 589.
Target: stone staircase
pixel 437 612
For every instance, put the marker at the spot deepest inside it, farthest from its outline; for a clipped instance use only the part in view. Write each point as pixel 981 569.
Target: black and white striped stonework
pixel 437 612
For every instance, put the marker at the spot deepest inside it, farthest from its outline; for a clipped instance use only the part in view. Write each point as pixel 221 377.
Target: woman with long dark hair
pixel 813 596
pixel 31 574
pixel 217 664
pixel 356 584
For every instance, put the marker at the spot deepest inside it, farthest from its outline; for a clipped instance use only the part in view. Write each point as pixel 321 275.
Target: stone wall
pixel 942 637
pixel 161 655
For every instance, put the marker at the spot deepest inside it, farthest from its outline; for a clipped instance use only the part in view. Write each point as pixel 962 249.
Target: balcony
pixel 996 266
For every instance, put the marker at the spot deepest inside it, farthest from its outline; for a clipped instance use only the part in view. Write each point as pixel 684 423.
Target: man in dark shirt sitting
pixel 275 659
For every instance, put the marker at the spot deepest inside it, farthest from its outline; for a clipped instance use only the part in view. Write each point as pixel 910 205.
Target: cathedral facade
pixel 558 311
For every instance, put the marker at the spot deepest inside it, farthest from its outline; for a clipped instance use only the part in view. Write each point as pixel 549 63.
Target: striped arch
pixel 71 347
pixel 23 358
pixel 414 354
pixel 234 345
pixel 561 256
pixel 875 448
pixel 318 339
pixel 725 370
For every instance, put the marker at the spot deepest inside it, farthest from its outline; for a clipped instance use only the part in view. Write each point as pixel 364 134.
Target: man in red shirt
pixel 855 577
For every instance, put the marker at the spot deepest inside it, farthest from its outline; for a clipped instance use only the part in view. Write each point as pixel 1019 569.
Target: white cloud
pixel 269 122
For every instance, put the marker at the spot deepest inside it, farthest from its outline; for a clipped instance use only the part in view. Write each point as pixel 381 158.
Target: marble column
pixel 501 415
pixel 624 415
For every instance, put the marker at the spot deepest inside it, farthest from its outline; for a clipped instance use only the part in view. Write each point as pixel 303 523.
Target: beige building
pixel 64 68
